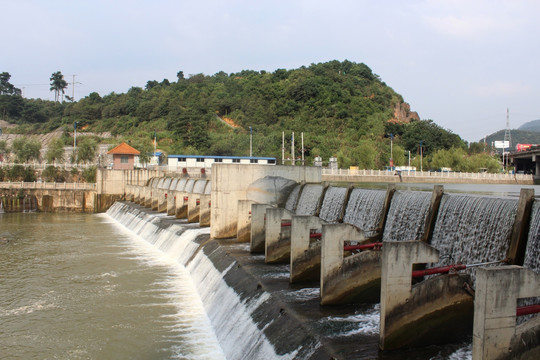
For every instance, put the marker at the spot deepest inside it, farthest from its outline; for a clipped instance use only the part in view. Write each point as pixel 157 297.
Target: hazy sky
pixel 461 63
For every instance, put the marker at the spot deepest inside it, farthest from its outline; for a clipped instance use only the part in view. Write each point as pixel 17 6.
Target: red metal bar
pixel 198 202
pixel 527 310
pixel 363 246
pixel 315 235
pixel 285 224
pixel 438 270
pixel 185 198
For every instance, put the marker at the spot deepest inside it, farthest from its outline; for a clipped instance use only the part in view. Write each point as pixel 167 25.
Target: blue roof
pixel 220 157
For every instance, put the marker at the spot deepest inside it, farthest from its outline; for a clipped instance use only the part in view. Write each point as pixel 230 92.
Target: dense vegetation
pixel 342 108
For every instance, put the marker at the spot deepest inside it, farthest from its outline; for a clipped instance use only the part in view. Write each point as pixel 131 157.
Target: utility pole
pixel 302 149
pixel 283 148
pixel 250 141
pixel 292 150
pixel 73 88
pixel 507 138
pixel 73 82
pixel 421 159
pixel 391 151
pixel 75 138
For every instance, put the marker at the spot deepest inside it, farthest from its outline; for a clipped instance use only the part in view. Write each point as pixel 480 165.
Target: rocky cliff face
pixel 403 113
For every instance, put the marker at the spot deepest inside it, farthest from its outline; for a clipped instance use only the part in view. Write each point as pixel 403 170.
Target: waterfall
pixel 2 206
pixel 232 316
pixel 332 204
pixel 199 186
pixel 181 184
pixel 189 186
pixel 364 209
pixel 293 197
pixel 407 216
pixel 473 229
pixel 309 199
pixel 532 253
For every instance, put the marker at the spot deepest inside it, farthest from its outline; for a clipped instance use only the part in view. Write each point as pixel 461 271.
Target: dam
pixel 258 310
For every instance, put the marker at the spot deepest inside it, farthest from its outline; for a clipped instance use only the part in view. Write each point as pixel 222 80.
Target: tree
pixel 25 149
pixel 55 151
pixel 6 88
pixel 58 85
pixel 4 150
pixel 86 150
pixel 432 136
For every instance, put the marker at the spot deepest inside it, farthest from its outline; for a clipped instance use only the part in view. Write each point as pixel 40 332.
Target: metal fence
pixel 428 174
pixel 43 166
pixel 47 185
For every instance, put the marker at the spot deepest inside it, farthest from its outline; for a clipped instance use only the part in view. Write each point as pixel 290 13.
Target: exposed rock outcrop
pixel 403 113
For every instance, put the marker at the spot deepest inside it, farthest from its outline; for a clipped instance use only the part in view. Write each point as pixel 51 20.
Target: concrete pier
pixel 258 227
pixel 244 221
pixel 277 237
pixel 495 334
pixel 413 316
pixel 340 277
pixel 305 254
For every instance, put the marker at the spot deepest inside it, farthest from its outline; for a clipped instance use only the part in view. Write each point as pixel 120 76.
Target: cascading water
pixel 407 216
pixel 364 209
pixel 173 184
pixel 181 184
pixel 189 185
pixel 231 316
pixel 309 199
pixel 199 186
pixel 293 198
pixel 532 253
pixel 332 204
pixel 166 183
pixel 473 229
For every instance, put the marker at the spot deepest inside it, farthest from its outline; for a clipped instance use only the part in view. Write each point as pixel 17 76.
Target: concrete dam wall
pixel 349 249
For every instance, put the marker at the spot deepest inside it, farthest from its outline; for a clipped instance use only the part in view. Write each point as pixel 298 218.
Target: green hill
pixel 531 126
pixel 342 108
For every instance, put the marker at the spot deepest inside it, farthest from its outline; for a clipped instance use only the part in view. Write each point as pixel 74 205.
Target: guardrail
pixel 430 174
pixel 47 185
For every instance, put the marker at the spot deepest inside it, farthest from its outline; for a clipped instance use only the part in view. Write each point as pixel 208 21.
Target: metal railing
pixel 47 185
pixel 428 174
pixel 43 166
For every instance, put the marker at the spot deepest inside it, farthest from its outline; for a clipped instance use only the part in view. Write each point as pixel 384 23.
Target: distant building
pixel 123 157
pixel 177 162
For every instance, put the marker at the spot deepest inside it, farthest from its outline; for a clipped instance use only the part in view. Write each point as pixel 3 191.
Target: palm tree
pixel 58 84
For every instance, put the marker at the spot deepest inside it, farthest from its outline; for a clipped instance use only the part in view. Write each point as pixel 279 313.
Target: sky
pixel 460 63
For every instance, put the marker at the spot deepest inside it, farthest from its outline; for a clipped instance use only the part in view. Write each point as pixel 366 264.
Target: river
pixel 78 286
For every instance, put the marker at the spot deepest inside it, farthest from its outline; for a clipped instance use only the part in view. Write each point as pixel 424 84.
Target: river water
pixel 78 286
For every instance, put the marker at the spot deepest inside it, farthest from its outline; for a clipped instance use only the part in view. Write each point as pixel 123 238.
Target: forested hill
pixel 342 108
